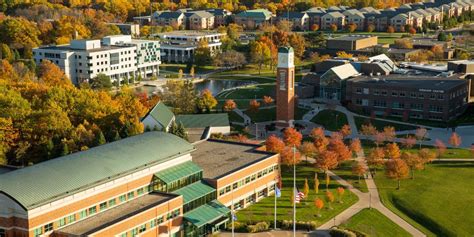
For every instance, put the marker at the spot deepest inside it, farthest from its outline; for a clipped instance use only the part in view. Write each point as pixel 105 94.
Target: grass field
pixel 383 37
pixel 305 211
pixel 327 118
pixel 380 124
pixel 451 153
pixel 174 68
pixel 374 223
pixel 440 198
pixel 345 172
pixel 269 114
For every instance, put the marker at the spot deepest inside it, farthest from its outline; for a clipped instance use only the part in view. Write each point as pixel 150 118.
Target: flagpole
pixel 294 191
pixel 275 192
pixel 232 214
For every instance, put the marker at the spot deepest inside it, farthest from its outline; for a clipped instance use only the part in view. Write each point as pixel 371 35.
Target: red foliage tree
pixel 392 151
pixel 254 106
pixel 356 145
pixel 345 130
pixel 274 144
pixel 327 160
pixel 455 140
pixel 290 156
pixel 229 105
pixel 396 169
pixel 291 137
pixel 408 142
pixel 441 147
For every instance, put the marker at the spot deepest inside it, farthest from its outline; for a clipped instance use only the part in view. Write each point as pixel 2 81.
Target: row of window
pixel 150 224
pixel 92 210
pixel 248 179
pixel 400 105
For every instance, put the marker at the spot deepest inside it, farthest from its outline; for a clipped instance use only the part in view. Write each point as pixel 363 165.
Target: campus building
pixel 153 184
pixel 351 42
pixel 120 57
pixel 179 46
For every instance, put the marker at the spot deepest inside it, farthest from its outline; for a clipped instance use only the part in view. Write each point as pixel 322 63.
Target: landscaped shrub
pixel 258 227
pixel 336 232
pixel 238 227
pixel 300 225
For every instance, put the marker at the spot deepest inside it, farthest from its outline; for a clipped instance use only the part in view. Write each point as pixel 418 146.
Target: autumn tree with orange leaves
pixel 274 144
pixel 408 142
pixel 320 141
pixel 392 151
pixel 356 146
pixel 229 105
pixel 440 147
pixel 389 133
pixel 455 140
pixel 327 160
pixel 254 106
pixel 396 169
pixel 376 157
pixel 359 168
pixel 267 100
pixel 345 130
pixel 307 149
pixel 291 137
pixel 426 155
pixel 319 204
pixel 290 156
pixel 413 161
pixel 336 144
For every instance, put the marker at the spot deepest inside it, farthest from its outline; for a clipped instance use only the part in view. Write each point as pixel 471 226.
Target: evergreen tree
pixel 117 136
pixel 50 148
pixel 100 139
pixel 182 131
pixel 65 149
pixel 442 36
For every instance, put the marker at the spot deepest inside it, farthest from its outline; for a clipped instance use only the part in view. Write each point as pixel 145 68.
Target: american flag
pixel 298 195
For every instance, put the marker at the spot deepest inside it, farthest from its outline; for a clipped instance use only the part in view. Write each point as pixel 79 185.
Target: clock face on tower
pixel 282 59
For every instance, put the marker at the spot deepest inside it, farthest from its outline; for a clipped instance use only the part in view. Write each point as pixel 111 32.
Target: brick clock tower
pixel 285 87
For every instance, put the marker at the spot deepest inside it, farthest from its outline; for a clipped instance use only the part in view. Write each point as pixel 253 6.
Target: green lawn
pixel 380 124
pixel 269 114
pixel 327 118
pixel 383 37
pixel 451 153
pixel 174 68
pixel 305 211
pixel 345 172
pixel 374 223
pixel 256 91
pixel 440 198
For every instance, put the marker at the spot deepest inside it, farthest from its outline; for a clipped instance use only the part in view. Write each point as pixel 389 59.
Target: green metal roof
pixel 178 172
pixel 162 114
pixel 39 184
pixel 285 50
pixel 203 120
pixel 256 13
pixel 194 191
pixel 207 213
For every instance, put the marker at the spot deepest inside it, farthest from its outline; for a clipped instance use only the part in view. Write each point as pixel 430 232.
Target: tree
pixel 52 75
pixel 180 73
pixel 192 72
pixel 326 160
pixel 408 142
pixel 340 193
pixel 6 53
pixel 414 161
pixel 370 28
pixel 292 138
pixel 316 183
pixel 306 187
pixel 442 36
pixel 396 169
pixel 297 41
pixel 343 54
pixel 319 204
pixel 392 151
pixel 375 159
pixel 101 82
pixel 267 100
pixel 356 146
pixel 441 147
pixel 359 168
pixel 254 105
pixel 260 54
pixel 403 43
pixel 19 33
pixel 368 130
pixel 438 52
pixel 179 95
pixel 100 138
pixel 307 149
pixel 379 138
pixel 274 144
pixel 336 144
pixel 412 31
pixel 389 133
pixel 455 140
pixel 202 54
pixel 420 134
pixel 449 37
pixel 314 27
pixel 351 27
pixel 345 130
pixel 329 198
pixel 426 155
pixel 206 102
pixel 230 59
pixel 290 156
pixel 390 29
pixel 229 105
pixel 333 28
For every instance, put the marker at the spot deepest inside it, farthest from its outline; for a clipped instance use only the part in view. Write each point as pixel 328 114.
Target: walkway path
pixel 367 200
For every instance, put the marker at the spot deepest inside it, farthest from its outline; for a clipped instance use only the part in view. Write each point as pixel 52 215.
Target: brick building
pixel 351 42
pixel 154 184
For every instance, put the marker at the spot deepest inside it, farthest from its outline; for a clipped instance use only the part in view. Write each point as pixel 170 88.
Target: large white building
pixel 179 46
pixel 119 56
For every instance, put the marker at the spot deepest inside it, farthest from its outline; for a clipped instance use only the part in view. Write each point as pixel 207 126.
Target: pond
pixel 215 86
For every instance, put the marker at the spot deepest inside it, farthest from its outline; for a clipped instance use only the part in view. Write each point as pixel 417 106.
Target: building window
pixel 3 233
pixel 103 206
pixel 140 191
pixel 227 189
pixel 359 90
pixel 83 214
pixel 112 202
pixel 235 185
pixel 71 218
pixel 62 222
pixel 92 210
pixel 48 227
pixel 123 198
pixel 38 231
